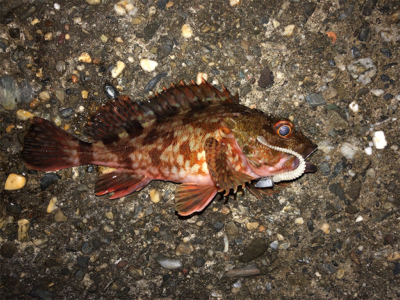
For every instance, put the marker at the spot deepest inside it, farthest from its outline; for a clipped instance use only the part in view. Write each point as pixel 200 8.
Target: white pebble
pixel 234 3
pixel 288 30
pixel 377 92
pixel 354 106
pixel 125 7
pixel 368 150
pixel 118 69
pixel 359 219
pixel 348 150
pixel 379 140
pixel 14 182
pixel 187 31
pixel 57 6
pixel 148 65
pixel 93 2
pixel 274 245
pixel 201 76
pixel 299 221
pixel 397 97
pixel 237 284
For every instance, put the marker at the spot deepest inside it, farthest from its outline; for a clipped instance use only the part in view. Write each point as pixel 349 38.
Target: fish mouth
pixel 306 153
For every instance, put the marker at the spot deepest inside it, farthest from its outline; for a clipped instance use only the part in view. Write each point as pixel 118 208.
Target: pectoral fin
pixel 221 168
pixel 121 182
pixel 191 197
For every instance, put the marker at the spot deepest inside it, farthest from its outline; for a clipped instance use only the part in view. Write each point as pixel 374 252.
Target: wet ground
pixel 333 234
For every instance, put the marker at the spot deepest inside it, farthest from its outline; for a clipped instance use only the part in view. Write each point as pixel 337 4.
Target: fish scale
pixel 193 134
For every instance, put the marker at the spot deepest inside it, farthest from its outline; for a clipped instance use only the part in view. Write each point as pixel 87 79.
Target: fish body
pixel 189 134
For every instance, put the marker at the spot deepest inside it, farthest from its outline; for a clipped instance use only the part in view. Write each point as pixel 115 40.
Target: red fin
pixel 121 182
pixel 191 197
pixel 220 168
pixel 49 148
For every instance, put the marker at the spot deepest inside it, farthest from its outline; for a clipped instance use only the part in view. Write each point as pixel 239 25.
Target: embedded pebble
pixel 125 7
pixel 148 65
pixel 118 69
pixel 85 58
pixel 109 215
pixel 8 92
pixel 136 273
pixel 348 150
pixel 377 92
pixel 315 100
pixel 254 250
pixel 325 228
pixel 168 263
pixel 187 31
pixel 155 196
pixel 200 77
pixel 354 106
pixel 368 150
pixel 44 96
pixel 14 182
pixel 48 36
pixel 52 205
pixel 8 249
pixel 379 140
pixel 108 228
pixel 184 249
pixel 363 70
pixel 394 256
pixel 274 245
pixel 59 216
pixel 359 219
pixel 231 229
pixel 299 221
pixel 199 262
pixel 252 225
pixel 234 3
pixel 61 66
pixel 93 2
pixel 250 270
pixel 84 94
pixel 23 228
pixel 288 30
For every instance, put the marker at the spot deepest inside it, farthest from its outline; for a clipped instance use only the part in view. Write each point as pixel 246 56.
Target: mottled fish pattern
pixel 191 134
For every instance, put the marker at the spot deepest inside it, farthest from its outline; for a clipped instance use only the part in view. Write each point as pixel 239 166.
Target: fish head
pixel 281 135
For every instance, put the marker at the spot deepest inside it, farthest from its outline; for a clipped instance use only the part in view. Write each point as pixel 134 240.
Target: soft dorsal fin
pixel 123 115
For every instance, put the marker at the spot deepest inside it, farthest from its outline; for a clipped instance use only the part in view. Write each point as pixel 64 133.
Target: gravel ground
pixel 331 66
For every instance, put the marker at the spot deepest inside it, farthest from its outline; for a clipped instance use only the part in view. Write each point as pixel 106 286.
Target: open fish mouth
pixel 310 167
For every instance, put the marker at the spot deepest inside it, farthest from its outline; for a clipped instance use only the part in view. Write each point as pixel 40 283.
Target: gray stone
pixel 315 100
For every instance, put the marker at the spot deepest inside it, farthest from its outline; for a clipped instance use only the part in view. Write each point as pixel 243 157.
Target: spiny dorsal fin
pixel 121 114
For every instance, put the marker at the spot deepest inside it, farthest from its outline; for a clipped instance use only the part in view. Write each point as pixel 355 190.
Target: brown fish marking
pixel 190 134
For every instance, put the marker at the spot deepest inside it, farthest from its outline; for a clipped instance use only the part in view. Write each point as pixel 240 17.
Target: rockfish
pixel 191 134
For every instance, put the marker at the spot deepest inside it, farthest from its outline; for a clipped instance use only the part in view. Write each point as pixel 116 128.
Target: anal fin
pixel 121 182
pixel 191 197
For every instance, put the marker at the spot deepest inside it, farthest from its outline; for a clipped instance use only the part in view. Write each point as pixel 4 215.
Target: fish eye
pixel 284 128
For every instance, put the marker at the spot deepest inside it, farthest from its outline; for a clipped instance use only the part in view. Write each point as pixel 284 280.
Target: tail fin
pixel 48 148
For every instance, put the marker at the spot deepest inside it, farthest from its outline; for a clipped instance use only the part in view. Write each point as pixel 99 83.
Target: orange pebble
pixel 35 102
pixel 332 36
pixel 9 128
pixel 74 78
